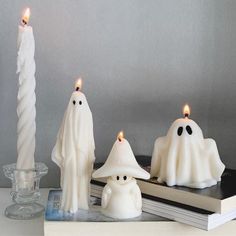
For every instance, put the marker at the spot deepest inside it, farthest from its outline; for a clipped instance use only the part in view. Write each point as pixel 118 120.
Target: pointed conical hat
pixel 121 161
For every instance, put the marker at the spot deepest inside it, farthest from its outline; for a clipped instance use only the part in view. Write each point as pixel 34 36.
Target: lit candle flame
pixel 26 16
pixel 120 136
pixel 186 111
pixel 78 84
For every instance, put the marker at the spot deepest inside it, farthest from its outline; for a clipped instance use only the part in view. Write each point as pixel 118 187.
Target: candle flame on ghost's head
pixel 186 111
pixel 26 16
pixel 120 136
pixel 78 84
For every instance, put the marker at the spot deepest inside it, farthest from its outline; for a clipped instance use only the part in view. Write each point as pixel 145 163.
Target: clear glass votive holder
pixel 25 191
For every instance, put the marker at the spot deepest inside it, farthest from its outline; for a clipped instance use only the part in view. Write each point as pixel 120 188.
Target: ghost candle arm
pixel 136 193
pixel 156 159
pixel 214 159
pixel 106 195
pixel 90 168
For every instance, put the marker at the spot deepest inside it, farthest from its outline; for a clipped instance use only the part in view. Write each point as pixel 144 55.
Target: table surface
pixel 9 227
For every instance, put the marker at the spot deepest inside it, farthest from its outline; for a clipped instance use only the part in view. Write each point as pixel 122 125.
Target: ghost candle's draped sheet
pixel 74 153
pixel 184 157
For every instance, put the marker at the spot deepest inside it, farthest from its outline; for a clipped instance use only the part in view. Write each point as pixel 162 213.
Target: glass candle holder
pixel 25 191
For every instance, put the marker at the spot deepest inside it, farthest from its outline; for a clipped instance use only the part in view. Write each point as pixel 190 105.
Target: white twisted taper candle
pixel 26 126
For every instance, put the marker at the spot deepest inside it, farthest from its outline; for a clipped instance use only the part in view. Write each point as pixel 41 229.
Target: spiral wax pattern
pixel 26 111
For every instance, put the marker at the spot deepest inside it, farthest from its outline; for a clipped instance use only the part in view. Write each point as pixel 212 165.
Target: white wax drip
pixel 26 126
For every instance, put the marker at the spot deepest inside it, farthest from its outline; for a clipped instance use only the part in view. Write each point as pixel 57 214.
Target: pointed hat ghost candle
pixel 121 197
pixel 184 157
pixel 74 152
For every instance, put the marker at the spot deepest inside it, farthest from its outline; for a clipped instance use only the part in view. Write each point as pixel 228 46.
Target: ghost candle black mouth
pixel 25 17
pixel 186 111
pixel 78 84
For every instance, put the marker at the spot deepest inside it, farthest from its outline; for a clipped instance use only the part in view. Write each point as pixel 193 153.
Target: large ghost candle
pixel 121 197
pixel 184 157
pixel 74 152
pixel 26 126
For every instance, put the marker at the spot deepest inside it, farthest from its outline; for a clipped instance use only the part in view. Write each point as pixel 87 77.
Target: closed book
pixel 182 213
pixel 219 198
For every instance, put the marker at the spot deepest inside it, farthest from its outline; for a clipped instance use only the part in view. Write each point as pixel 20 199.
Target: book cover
pixel 53 212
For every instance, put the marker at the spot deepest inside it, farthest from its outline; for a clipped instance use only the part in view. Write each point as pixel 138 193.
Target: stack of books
pixel 163 207
pixel 92 222
pixel 203 208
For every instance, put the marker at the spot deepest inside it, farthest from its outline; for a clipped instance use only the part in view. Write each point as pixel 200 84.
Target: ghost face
pixel 185 129
pixel 79 117
pixel 121 179
pixel 78 102
pixel 185 158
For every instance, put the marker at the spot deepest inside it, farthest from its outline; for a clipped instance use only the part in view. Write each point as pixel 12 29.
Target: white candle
pixel 184 157
pixel 121 197
pixel 74 152
pixel 26 126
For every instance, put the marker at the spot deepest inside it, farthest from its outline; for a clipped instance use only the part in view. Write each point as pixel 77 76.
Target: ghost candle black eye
pixel 180 131
pixel 74 102
pixel 189 129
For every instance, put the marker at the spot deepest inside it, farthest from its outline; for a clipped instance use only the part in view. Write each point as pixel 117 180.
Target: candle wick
pixel 77 88
pixel 119 139
pixel 24 22
pixel 186 115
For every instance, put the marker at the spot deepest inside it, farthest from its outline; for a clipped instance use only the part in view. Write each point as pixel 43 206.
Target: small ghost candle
pixel 26 126
pixel 184 157
pixel 74 152
pixel 121 197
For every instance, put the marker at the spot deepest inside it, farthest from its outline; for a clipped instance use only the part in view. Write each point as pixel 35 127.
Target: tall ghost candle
pixel 74 152
pixel 26 112
pixel 184 157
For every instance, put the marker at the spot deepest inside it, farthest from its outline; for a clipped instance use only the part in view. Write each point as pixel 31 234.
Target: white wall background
pixel 141 61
